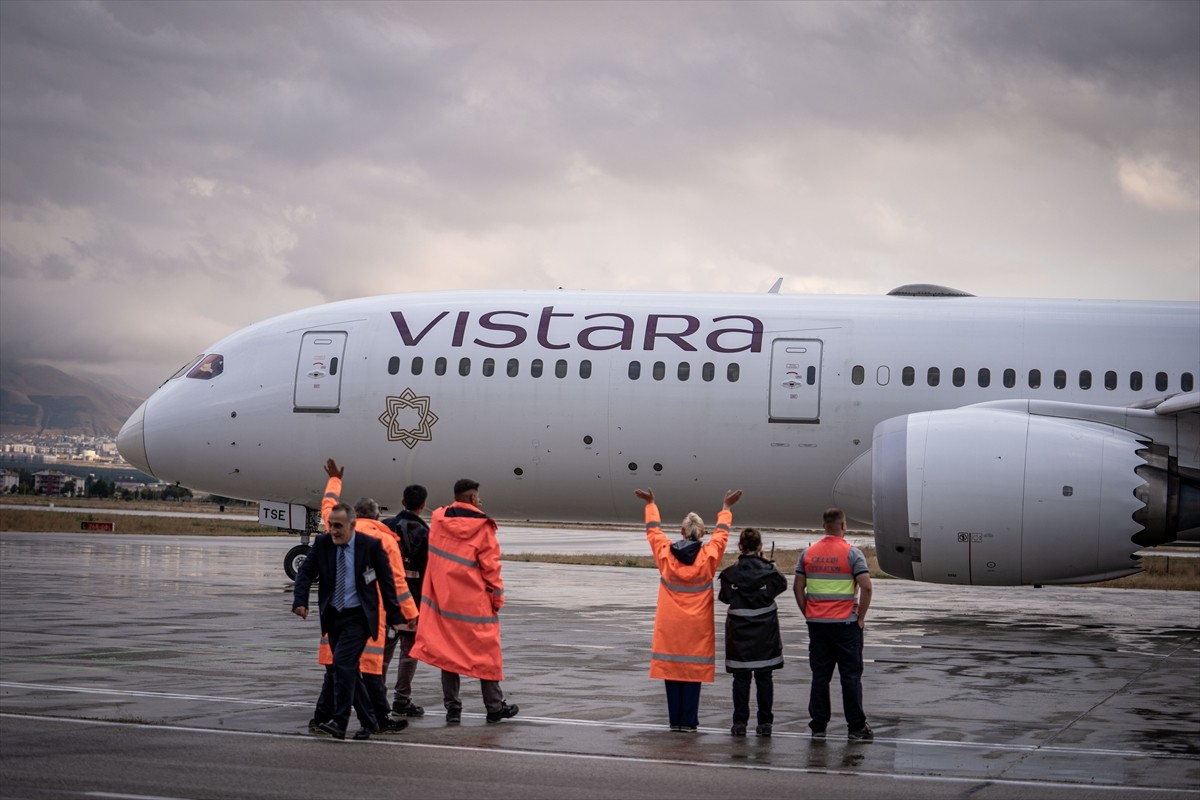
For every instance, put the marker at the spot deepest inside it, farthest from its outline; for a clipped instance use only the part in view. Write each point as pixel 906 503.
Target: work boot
pixel 453 716
pixel 506 712
pixel 407 709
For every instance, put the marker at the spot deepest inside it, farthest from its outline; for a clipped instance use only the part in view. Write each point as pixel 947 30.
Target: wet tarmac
pixel 171 667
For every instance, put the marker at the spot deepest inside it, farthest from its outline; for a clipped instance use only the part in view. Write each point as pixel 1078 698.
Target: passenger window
pixel 883 375
pixel 560 369
pixel 857 375
pixel 489 367
pixel 708 371
pixel 393 365
pixel 418 365
pixel 685 371
pixel 535 368
pixel 439 366
pixel 985 377
pixel 585 369
pixel 1135 381
pixel 811 375
pixel 934 376
pixel 333 365
pixel 660 370
pixel 1060 379
pixel 1085 379
pixel 514 368
pixel 464 367
pixel 1160 381
pixel 1110 380
pixel 1010 378
pixel 907 376
pixel 732 373
pixel 1187 382
pixel 1035 379
pixel 959 377
pixel 635 370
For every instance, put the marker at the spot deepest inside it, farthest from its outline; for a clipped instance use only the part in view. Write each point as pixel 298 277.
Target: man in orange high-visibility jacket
pixel 684 648
pixel 461 600
pixel 833 590
pixel 367 523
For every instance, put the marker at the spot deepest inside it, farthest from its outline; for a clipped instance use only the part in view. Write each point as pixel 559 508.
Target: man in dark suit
pixel 354 574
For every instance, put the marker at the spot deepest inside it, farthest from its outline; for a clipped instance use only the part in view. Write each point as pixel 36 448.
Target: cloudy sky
pixel 171 172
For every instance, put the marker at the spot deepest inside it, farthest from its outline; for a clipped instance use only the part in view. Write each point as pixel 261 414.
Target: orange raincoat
pixel 685 642
pixel 463 591
pixel 371 661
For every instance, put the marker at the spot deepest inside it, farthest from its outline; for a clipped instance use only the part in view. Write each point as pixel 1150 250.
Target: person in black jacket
pixel 753 645
pixel 354 576
pixel 413 535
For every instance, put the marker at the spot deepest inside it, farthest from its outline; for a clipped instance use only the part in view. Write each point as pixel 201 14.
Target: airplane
pixel 985 441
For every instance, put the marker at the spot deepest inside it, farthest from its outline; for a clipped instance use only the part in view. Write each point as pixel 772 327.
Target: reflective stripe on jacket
pixel 461 595
pixel 828 581
pixel 371 661
pixel 684 644
pixel 752 637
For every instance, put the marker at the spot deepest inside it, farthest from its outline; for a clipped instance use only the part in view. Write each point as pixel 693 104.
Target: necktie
pixel 343 573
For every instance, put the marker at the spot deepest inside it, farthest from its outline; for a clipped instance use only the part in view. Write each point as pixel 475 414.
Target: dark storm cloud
pixel 190 167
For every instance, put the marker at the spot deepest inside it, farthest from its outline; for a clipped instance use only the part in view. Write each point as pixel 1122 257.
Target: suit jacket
pixel 322 563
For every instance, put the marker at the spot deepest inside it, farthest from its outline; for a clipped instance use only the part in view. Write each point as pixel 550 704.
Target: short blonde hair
pixel 693 527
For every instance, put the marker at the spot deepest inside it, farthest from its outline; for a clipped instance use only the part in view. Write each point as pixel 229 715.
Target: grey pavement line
pixel 325 741
pixel 590 723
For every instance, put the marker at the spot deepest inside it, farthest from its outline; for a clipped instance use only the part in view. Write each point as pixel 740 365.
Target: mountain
pixel 35 398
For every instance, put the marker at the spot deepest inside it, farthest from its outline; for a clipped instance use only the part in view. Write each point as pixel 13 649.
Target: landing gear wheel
pixel 294 558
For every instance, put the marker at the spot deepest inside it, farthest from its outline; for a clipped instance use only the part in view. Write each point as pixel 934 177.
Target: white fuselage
pixel 777 395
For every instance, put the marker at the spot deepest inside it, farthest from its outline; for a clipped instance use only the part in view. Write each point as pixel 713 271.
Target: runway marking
pixel 323 741
pixel 119 796
pixel 635 726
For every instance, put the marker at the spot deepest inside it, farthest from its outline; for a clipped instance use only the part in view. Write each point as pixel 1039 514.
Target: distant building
pixel 50 481
pixel 9 479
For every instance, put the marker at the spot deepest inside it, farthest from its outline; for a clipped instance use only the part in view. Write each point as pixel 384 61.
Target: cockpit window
pixel 209 367
pixel 191 363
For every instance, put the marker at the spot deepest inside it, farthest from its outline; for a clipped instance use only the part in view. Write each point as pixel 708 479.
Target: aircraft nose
pixel 131 441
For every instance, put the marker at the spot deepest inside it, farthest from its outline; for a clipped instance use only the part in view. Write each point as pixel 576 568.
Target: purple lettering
pixel 518 332
pixel 544 329
pixel 755 333
pixel 624 342
pixel 460 328
pixel 406 334
pixel 679 339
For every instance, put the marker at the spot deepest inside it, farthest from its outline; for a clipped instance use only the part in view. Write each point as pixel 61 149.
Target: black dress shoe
pixel 362 734
pixel 333 730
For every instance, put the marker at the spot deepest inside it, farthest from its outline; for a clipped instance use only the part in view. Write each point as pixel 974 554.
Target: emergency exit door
pixel 319 372
pixel 795 380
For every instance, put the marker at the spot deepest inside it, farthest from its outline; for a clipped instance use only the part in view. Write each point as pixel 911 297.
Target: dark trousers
pixel 493 695
pixel 683 703
pixel 765 684
pixel 406 665
pixel 348 634
pixel 837 644
pixel 324 710
pixel 377 696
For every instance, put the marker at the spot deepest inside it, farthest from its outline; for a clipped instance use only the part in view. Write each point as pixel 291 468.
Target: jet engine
pixel 998 497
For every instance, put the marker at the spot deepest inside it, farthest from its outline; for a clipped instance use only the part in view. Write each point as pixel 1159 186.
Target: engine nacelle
pixel 987 496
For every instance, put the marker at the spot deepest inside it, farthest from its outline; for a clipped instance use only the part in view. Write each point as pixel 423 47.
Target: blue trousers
pixel 683 703
pixel 837 644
